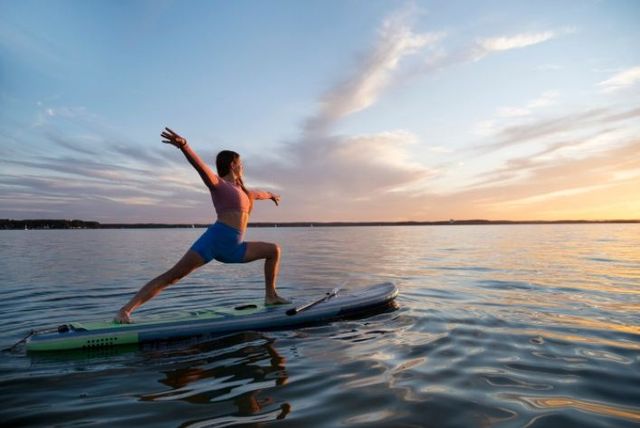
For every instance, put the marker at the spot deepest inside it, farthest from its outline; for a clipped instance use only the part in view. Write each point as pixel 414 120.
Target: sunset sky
pixel 350 110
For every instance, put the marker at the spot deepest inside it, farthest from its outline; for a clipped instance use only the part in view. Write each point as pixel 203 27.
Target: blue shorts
pixel 221 242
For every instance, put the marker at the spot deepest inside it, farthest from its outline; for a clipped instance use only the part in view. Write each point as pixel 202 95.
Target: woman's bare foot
pixel 275 300
pixel 123 317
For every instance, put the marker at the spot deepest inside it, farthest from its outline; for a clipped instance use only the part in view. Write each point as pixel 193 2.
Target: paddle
pixel 306 306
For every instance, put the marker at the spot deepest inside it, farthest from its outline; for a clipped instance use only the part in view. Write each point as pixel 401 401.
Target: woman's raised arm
pixel 209 178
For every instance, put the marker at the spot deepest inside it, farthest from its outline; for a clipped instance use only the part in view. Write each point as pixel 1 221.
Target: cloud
pixel 80 168
pixel 592 186
pixel 83 135
pixel 495 44
pixel 577 147
pixel 372 74
pixel 562 124
pixel 74 145
pixel 513 111
pixel 489 127
pixel 576 164
pixel 621 80
pixel 487 46
pixel 98 172
pixel 350 172
pixel 65 189
pixel 554 194
pixel 546 99
pixel 545 128
pixel 600 170
pixel 481 48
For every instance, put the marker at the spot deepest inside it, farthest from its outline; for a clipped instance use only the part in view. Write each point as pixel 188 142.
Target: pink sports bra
pixel 230 197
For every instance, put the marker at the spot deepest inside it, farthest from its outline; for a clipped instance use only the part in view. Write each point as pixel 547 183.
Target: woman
pixel 223 240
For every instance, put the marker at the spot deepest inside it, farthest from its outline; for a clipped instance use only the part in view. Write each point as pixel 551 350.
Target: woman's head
pixel 228 161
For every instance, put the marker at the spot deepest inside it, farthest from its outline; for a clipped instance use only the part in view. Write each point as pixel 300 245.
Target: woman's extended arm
pixel 258 194
pixel 209 178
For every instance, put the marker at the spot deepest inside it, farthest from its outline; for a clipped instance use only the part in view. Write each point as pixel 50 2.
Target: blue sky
pixel 351 110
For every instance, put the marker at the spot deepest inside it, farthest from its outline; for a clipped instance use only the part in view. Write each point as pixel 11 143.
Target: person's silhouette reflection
pixel 194 383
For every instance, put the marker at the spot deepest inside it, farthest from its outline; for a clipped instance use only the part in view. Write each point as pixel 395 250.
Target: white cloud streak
pixel 373 74
pixel 621 80
pixel 487 46
pixel 552 127
pixel 518 41
pixel 483 47
pixel 488 127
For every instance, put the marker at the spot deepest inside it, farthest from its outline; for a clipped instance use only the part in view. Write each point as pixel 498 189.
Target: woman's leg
pixel 271 253
pixel 189 262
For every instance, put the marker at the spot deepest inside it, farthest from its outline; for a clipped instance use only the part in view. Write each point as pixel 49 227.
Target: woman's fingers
pixel 173 137
pixel 169 133
pixel 172 132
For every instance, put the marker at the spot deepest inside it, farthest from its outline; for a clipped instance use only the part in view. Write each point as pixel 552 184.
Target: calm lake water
pixel 504 326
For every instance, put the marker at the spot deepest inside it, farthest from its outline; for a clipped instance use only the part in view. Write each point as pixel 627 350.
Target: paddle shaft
pixel 299 309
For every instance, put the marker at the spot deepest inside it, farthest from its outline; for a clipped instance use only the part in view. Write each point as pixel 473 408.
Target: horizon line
pixel 9 224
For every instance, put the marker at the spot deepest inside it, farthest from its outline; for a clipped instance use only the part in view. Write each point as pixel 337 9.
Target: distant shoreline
pixel 8 224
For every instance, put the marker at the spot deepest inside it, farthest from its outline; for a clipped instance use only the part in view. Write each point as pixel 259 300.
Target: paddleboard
pixel 334 305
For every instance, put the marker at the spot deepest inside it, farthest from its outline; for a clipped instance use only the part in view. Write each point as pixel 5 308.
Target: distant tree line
pixel 81 224
pixel 48 224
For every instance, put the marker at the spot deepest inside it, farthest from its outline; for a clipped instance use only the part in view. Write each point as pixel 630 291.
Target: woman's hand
pixel 173 138
pixel 275 198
